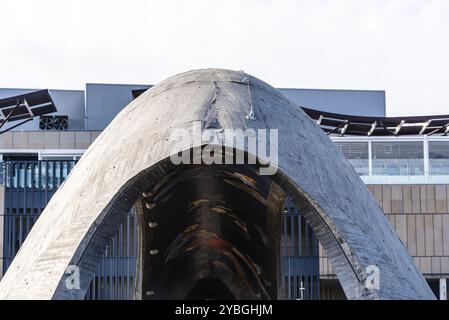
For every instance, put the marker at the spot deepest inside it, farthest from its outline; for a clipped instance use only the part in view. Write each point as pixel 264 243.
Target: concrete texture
pixel 132 153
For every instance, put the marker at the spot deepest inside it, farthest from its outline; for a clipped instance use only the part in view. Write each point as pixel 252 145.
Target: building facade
pixel 408 176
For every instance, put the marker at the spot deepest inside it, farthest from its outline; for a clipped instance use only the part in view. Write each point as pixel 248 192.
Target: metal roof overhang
pixel 334 123
pixel 25 107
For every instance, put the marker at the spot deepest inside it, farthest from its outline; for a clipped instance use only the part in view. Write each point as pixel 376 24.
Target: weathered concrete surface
pixel 129 155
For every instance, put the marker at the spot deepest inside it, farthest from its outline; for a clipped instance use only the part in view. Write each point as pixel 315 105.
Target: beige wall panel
pixel 428 230
pixel 423 198
pixel 420 240
pixel 445 265
pixel 416 206
pixel 411 234
pixel 407 192
pixel 447 197
pixel 445 219
pixel 6 140
pixel 396 206
pixel 20 140
pixel 440 192
pixel 436 265
pixel 396 192
pixel 430 191
pixel 416 192
pixel 36 140
pixel 67 140
pixel 441 206
pixel 438 234
pixel 51 140
pixel 82 139
pixel 423 206
pixel 430 206
pixel 386 192
pixel 426 265
pixel 407 206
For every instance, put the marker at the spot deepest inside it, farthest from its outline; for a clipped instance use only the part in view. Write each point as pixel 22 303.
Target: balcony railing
pixel 394 160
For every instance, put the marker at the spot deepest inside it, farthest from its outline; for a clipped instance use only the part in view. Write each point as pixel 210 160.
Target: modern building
pixel 406 171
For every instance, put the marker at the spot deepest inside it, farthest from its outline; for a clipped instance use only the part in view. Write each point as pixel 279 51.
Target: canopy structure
pixel 334 123
pixel 25 107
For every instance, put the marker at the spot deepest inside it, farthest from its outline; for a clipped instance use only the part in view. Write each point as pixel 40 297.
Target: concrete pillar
pixel 443 289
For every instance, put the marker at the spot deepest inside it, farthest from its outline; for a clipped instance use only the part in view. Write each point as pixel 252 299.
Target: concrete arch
pixel 132 154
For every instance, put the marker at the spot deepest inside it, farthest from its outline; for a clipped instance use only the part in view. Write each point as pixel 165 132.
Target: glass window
pixel 50 174
pixel 439 158
pixel 29 175
pixel 398 158
pixel 357 155
pixel 43 174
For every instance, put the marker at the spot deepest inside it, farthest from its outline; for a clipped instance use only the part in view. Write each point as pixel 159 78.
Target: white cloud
pixel 398 45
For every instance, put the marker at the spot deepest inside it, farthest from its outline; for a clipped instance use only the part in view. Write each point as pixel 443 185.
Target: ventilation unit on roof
pixel 54 123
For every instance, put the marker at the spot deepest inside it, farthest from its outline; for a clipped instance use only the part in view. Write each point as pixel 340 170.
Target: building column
pixel 443 289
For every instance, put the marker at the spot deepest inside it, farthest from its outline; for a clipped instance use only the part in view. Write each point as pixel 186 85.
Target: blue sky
pixel 401 46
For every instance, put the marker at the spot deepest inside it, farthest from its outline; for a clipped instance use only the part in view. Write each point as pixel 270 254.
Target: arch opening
pixel 210 222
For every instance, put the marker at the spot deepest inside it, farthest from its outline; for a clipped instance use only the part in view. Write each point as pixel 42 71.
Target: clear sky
pixel 401 46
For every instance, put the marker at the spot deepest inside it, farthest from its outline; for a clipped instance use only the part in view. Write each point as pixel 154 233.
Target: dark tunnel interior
pixel 210 232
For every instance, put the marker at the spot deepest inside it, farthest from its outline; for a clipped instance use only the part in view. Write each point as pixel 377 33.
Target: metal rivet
pixel 150 205
pixel 258 269
pixel 152 224
pixel 154 252
pixel 149 292
pixel 147 194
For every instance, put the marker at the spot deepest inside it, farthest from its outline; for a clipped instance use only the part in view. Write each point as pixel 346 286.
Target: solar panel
pixel 334 123
pixel 25 106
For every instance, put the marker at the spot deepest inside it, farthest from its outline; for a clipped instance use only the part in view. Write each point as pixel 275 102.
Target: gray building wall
pixel 94 108
pixel 353 102
pixel 105 101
